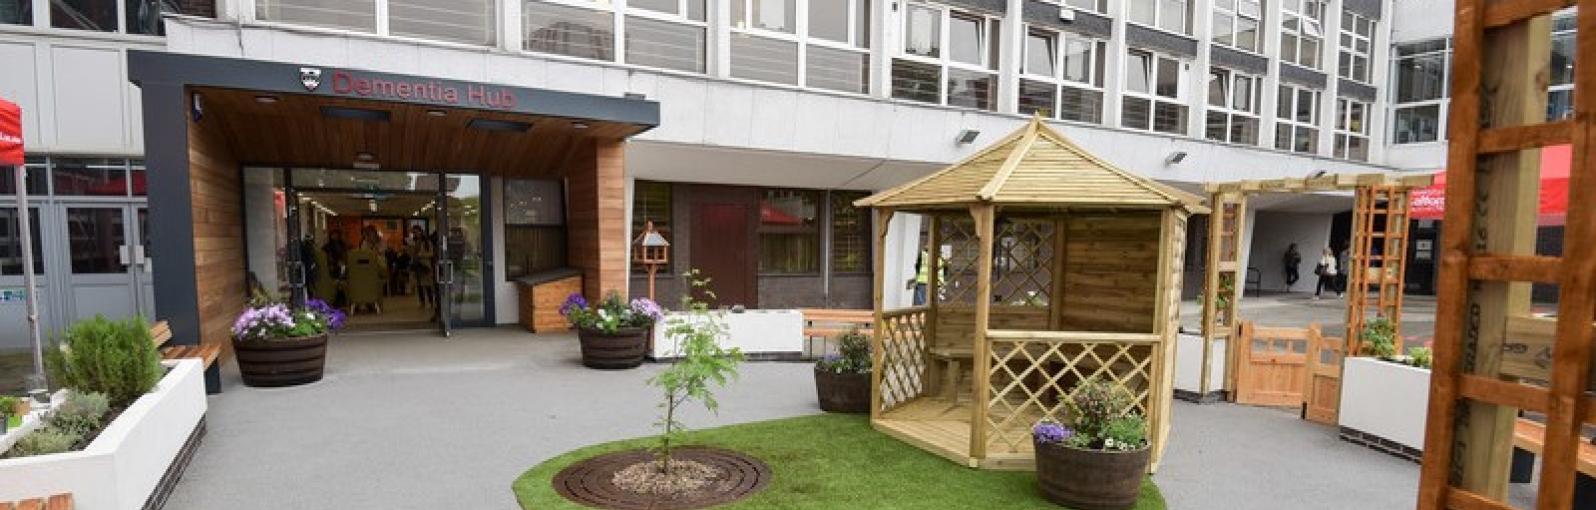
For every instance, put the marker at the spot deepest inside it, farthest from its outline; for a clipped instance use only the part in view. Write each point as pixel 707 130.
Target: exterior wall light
pixel 967 136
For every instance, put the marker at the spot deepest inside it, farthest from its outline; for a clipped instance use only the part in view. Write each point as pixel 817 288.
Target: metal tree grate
pixel 1032 379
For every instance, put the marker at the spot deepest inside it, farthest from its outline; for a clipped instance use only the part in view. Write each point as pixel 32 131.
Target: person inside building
pixel 922 277
pixel 337 255
pixel 1326 271
pixel 1292 260
pixel 422 255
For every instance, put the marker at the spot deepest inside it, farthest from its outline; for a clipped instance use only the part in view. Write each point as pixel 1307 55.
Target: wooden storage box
pixel 540 296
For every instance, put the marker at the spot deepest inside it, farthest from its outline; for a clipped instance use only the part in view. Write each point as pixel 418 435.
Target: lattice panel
pixel 1023 263
pixel 957 281
pixel 903 358
pixel 1032 379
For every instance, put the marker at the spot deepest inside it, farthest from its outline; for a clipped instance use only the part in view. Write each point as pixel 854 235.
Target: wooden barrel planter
pixel 622 349
pixel 1091 479
pixel 843 393
pixel 281 362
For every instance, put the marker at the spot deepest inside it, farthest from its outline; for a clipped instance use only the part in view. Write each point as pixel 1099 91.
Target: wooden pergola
pixel 1048 267
pixel 1377 261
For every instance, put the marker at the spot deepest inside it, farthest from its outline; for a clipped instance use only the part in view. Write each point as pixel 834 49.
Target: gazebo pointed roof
pixel 1033 166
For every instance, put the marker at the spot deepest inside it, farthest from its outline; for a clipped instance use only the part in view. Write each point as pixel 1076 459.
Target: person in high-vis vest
pixel 922 277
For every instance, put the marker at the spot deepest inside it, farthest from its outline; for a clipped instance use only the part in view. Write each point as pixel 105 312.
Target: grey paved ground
pixel 1300 309
pixel 415 421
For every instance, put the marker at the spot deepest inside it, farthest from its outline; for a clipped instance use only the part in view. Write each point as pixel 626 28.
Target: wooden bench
pixel 161 333
pixel 826 324
pixel 1528 441
pixel 56 502
pixel 952 359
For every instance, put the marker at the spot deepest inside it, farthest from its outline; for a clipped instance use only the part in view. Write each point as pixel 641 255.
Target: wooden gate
pixel 1321 400
pixel 1273 367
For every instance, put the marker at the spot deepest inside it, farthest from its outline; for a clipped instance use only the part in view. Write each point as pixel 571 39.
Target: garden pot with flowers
pixel 1098 460
pixel 842 380
pixel 614 333
pixel 279 345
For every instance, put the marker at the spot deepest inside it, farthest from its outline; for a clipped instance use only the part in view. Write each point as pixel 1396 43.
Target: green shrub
pixel 80 412
pixel 1104 417
pixel 1422 357
pixel 1379 338
pixel 853 355
pixel 8 405
pixel 45 441
pixel 116 358
pixel 703 364
pixel 1125 433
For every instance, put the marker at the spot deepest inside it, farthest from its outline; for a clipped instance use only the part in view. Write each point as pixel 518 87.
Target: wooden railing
pixel 901 357
pixel 1033 373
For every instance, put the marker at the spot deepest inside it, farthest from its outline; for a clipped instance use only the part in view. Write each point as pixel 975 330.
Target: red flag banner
pixel 1430 203
pixel 10 134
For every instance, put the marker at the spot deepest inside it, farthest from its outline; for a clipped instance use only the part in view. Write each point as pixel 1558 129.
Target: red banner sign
pixel 10 134
pixel 1430 203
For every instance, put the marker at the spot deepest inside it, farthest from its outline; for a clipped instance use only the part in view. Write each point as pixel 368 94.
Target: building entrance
pixel 394 250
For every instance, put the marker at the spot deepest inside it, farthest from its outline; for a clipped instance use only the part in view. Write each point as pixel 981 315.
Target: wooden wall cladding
pixel 215 184
pixel 596 224
pixel 540 304
pixel 1111 271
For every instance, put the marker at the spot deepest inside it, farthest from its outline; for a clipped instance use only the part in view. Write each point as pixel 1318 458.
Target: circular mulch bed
pixel 591 482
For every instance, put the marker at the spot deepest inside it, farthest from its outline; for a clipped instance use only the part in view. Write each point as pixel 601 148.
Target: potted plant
pixel 1098 461
pixel 842 380
pixel 613 333
pixel 278 345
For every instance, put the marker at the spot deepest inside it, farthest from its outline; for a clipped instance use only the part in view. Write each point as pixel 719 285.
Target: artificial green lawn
pixel 832 461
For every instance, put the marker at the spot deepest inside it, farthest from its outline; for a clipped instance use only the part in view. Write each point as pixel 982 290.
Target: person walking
pixel 1292 260
pixel 1326 271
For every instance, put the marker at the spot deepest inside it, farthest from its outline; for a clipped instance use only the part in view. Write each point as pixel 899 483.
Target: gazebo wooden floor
pixel 942 427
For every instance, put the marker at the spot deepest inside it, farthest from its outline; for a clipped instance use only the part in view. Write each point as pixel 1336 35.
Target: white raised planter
pixel 121 468
pixel 768 333
pixel 1189 367
pixel 1384 400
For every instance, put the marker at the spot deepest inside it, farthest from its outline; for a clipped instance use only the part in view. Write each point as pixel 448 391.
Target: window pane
pixel 1172 15
pixel 96 236
pixel 1559 104
pixel 16 12
pixel 965 39
pixel 1307 107
pixel 1288 47
pixel 777 15
pixel 1283 102
pixel 828 19
pixel 584 33
pixel 1169 75
pixel 531 249
pixel 1142 11
pixel 924 36
pixel 972 89
pixel 1306 140
pixel 466 21
pixel 1090 5
pixel 1421 78
pixel 1355 117
pixel 667 6
pixel 35 178
pixel 1036 96
pixel 1310 53
pixel 1040 54
pixel 916 81
pixel 1283 137
pixel 1247 34
pixel 1243 130
pixel 533 202
pixel 1562 67
pixel 1138 72
pixel 789 236
pixel 97 15
pixel 1081 105
pixel 1417 124
pixel 1217 87
pixel 664 44
pixel 1244 97
pixel 840 70
pixel 764 59
pixel 1217 126
pixel 1136 113
pixel 11 242
pixel 651 201
pixel 850 234
pixel 1224 29
pixel 90 177
pixel 347 14
pixel 1169 117
pixel 1078 60
pixel 143 16
pixel 1250 8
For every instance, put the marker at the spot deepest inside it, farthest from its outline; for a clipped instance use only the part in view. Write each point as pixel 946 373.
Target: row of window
pixel 1421 72
pixel 139 17
pixel 792 223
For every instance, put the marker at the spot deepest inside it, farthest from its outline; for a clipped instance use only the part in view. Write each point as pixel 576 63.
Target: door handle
pixel 122 255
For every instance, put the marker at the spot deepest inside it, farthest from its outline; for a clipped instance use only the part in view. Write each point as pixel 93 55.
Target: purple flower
pixel 1051 432
pixel 335 317
pixel 648 308
pixel 573 302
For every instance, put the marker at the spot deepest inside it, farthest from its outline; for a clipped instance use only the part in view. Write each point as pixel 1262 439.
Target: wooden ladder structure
pixel 1224 281
pixel 1497 125
pixel 1377 258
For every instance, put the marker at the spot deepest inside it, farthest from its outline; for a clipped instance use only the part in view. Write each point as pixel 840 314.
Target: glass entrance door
pixel 101 260
pixel 462 267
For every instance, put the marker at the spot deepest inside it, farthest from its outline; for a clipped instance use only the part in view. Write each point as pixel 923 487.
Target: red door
pixel 721 252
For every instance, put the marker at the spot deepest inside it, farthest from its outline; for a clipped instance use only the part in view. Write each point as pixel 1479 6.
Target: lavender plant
pixel 1102 417
pixel 276 321
pixel 611 314
pixel 701 363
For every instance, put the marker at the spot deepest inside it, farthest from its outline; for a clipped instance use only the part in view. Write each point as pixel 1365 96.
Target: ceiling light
pixel 579 125
pixel 512 126
pixel 436 113
pixel 364 156
pixel 265 99
pixel 366 114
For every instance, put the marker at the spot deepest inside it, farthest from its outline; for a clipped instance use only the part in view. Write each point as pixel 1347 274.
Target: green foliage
pixel 700 363
pixel 116 358
pixel 80 412
pixel 1379 338
pixel 1421 356
pixel 611 314
pixel 8 405
pixel 1104 417
pixel 853 355
pixel 44 441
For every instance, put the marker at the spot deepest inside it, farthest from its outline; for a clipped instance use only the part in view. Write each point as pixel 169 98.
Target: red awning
pixel 10 134
pixel 1430 203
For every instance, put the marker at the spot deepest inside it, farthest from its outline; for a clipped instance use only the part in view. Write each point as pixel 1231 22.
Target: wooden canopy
pixel 1033 166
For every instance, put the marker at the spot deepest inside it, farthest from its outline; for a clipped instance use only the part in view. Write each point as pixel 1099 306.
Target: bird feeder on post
pixel 652 252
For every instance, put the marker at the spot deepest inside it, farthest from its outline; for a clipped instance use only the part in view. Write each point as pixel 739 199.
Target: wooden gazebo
pixel 1048 267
